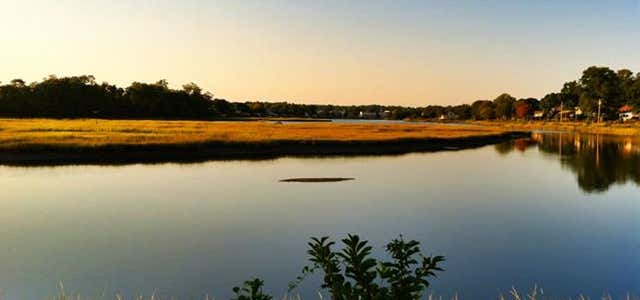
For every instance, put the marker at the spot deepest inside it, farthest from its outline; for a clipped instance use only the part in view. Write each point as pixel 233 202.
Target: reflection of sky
pixel 516 219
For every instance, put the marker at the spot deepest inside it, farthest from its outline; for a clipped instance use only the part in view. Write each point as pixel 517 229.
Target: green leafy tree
pixel 462 112
pixel 549 102
pixel 600 84
pixel 570 94
pixel 483 110
pixel 627 80
pixel 504 106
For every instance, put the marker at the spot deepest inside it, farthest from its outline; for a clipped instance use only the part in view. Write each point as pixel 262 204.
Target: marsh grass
pixel 91 133
pixel 604 128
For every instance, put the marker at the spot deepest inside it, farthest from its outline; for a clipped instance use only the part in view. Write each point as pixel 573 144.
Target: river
pixel 560 211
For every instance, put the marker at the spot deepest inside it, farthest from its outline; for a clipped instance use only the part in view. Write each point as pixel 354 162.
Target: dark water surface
pixel 561 211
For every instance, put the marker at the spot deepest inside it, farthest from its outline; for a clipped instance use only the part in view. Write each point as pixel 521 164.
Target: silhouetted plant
pixel 404 277
pixel 251 290
pixel 406 274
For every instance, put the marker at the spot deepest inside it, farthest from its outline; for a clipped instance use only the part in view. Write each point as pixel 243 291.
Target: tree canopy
pixel 83 97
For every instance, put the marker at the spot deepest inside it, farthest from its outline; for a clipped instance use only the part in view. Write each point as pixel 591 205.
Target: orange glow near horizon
pixel 415 53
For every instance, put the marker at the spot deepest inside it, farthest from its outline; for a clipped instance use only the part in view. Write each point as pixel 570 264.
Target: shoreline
pixel 57 155
pixel 605 128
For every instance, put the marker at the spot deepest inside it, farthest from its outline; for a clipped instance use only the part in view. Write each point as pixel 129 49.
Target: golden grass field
pixel 87 133
pixel 605 128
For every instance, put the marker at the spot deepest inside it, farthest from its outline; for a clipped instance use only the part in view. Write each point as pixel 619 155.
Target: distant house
pixel 578 112
pixel 538 114
pixel 565 114
pixel 626 113
pixel 448 116
pixel 568 114
pixel 386 114
pixel 368 115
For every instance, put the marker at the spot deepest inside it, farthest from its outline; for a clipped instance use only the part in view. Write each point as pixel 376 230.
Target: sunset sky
pixel 323 51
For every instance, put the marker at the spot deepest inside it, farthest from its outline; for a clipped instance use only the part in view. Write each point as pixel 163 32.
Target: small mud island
pixel 49 141
pixel 317 179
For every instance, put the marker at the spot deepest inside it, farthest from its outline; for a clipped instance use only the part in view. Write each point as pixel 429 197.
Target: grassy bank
pixel 606 128
pixel 93 140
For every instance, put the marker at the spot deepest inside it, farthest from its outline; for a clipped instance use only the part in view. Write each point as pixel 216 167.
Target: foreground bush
pixel 351 273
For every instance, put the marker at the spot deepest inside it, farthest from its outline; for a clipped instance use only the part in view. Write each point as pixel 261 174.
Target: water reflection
pixel 597 161
pixel 187 230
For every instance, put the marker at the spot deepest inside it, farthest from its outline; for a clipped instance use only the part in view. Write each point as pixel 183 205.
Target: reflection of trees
pixel 504 148
pixel 519 144
pixel 597 161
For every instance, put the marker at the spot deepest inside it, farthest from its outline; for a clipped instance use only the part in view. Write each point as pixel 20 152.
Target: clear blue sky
pixel 324 51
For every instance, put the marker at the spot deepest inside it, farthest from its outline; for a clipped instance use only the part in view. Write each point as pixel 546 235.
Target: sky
pixel 395 52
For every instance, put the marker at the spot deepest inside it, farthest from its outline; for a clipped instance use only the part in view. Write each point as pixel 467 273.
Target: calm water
pixel 560 211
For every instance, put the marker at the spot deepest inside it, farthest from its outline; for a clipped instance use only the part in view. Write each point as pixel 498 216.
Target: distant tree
pixel 17 83
pixel 433 111
pixel 523 109
pixel 550 101
pixel 600 83
pixel 570 93
pixel 463 111
pixel 82 97
pixel 504 106
pixel 628 86
pixel 634 92
pixel 222 107
pixel 163 83
pixel 483 110
pixel 192 89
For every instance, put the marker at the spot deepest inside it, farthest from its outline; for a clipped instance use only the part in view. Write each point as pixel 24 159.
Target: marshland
pixel 305 149
pixel 52 141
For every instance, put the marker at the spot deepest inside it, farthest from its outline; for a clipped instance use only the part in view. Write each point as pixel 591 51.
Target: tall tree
pixel 483 110
pixel 627 81
pixel 504 106
pixel 549 102
pixel 570 94
pixel 600 84
pixel 524 109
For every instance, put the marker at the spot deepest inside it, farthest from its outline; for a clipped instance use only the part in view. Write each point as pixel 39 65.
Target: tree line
pixel 83 97
pixel 597 87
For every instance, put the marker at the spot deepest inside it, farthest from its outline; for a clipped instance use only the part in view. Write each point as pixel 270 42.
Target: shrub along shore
pixel 49 141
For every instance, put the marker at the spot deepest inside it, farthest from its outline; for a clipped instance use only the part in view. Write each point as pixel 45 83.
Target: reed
pixel 88 133
pixel 94 141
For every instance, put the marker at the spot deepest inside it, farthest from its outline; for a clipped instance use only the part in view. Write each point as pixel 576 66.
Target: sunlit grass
pixel 87 133
pixel 605 128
